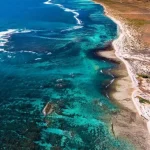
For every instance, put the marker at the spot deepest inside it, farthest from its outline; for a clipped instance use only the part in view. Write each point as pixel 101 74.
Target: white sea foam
pixel 50 53
pixel 9 56
pixel 28 52
pixel 73 28
pixel 2 50
pixel 48 2
pixel 76 14
pixel 38 58
pixel 5 35
pixel 110 83
pixel 101 71
pixel 24 31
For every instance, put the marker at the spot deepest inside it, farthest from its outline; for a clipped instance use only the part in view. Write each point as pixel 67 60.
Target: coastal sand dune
pixel 131 89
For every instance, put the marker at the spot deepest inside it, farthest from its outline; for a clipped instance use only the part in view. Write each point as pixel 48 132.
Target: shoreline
pixel 131 92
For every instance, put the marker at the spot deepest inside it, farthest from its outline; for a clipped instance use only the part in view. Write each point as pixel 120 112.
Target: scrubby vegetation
pixel 144 75
pixel 142 100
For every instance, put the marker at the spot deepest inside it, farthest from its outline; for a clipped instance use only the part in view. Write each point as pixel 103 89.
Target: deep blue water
pixel 47 54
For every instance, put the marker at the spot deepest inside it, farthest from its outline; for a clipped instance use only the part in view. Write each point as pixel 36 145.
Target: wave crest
pixel 5 35
pixel 76 14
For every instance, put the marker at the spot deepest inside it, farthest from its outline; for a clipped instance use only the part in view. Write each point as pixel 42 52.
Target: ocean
pixel 48 54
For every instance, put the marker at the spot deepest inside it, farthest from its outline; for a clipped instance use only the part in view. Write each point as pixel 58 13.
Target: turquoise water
pixel 47 54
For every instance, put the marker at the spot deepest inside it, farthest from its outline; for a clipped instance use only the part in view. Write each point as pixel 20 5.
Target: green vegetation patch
pixel 142 100
pixel 144 75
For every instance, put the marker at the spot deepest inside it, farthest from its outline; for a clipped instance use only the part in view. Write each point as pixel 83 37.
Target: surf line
pixel 48 2
pixel 76 14
pixel 5 35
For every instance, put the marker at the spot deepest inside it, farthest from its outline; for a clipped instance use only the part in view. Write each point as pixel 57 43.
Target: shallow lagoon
pixel 49 56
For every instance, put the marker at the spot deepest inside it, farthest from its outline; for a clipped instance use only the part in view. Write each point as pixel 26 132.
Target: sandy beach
pixel 131 89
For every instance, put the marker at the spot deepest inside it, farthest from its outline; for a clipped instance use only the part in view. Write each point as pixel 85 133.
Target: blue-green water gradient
pixel 47 54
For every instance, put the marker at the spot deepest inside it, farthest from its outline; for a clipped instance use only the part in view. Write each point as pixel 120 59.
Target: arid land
pixel 131 89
